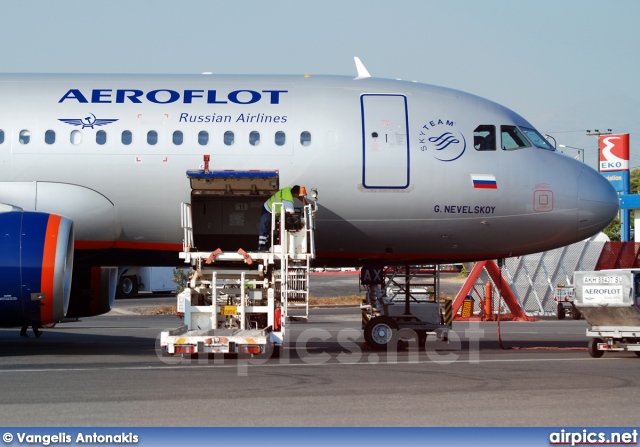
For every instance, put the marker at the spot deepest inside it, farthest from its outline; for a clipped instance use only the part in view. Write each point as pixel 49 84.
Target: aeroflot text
pixel 601 291
pixel 165 96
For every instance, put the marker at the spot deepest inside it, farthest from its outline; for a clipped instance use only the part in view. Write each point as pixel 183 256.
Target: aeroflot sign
pixel 166 96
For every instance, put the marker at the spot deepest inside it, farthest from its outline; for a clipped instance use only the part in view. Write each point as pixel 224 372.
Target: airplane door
pixel 385 146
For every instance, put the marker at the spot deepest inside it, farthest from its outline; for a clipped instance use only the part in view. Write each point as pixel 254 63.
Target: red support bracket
pixel 517 314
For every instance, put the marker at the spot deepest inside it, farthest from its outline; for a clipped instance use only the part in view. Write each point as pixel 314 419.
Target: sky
pixel 567 66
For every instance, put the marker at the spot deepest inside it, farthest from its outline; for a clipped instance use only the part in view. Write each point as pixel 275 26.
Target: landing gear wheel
pixel 593 348
pixel 378 332
pixel 127 287
pixel 575 313
pixel 637 353
pixel 560 311
pixel 422 338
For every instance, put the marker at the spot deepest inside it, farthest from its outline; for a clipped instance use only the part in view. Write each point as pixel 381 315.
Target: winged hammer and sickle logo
pixel 89 121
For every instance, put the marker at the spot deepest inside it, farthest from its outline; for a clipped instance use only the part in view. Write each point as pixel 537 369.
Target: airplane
pixel 92 174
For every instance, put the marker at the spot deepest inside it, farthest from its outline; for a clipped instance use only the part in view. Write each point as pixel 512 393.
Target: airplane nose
pixel 597 203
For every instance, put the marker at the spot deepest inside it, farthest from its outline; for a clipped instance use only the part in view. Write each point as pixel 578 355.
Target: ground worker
pixel 23 331
pixel 284 196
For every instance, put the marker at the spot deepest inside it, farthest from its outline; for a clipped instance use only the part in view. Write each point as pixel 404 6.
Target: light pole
pixel 597 133
pixel 579 149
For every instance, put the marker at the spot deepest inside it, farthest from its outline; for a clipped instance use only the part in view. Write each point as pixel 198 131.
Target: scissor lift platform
pixel 240 301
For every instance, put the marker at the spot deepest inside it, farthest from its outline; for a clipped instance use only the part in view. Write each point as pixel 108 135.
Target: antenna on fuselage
pixel 363 73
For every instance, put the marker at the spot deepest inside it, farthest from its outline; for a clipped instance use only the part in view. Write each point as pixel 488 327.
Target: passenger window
pixel 203 138
pixel 152 137
pixel 50 137
pixel 254 138
pixel 177 138
pixel 280 138
pixel 25 137
pixel 101 137
pixel 305 138
pixel 1 136
pixel 76 137
pixel 228 138
pixel 127 137
pixel 484 138
pixel 512 138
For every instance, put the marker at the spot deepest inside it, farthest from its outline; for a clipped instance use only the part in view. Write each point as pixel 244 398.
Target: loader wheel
pixel 560 311
pixel 593 348
pixel 378 332
pixel 575 313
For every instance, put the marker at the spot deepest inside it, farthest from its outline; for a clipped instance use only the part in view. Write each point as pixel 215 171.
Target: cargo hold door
pixel 226 207
pixel 385 146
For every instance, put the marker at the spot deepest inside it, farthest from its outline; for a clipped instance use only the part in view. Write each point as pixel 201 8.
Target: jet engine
pixel 36 259
pixel 93 291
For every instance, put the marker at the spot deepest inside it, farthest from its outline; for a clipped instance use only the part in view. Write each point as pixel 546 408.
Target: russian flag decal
pixel 484 181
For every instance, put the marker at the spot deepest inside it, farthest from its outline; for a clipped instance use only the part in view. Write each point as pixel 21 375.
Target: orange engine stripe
pixel 48 268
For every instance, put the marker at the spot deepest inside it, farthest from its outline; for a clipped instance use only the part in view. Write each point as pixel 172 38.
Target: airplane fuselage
pixel 399 172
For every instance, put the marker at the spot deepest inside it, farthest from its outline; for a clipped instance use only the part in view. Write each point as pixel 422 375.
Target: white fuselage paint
pixel 385 156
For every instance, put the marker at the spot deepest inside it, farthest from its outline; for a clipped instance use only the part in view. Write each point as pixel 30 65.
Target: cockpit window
pixel 484 137
pixel 512 138
pixel 537 139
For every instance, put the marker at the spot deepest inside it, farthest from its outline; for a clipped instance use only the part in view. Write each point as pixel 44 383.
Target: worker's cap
pixel 303 191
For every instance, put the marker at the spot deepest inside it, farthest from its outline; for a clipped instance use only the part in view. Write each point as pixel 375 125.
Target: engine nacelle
pixel 93 291
pixel 36 260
